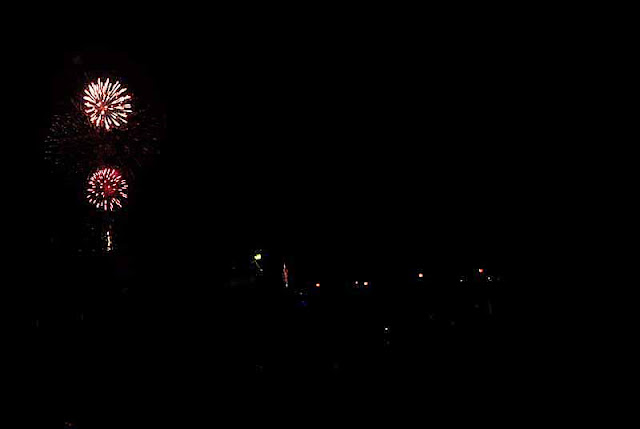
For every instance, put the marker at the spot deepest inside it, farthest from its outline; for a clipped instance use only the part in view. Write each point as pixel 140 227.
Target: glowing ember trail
pixel 106 104
pixel 106 189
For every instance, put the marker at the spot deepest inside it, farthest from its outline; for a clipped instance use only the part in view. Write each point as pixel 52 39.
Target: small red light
pixel 317 284
pixel 481 270
pixel 366 283
pixel 421 275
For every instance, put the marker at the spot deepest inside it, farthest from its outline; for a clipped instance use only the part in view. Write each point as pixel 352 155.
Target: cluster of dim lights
pixel 357 284
pixel 463 278
pixel 257 256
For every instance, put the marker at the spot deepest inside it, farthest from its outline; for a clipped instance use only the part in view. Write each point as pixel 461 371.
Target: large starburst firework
pixel 106 188
pixel 106 104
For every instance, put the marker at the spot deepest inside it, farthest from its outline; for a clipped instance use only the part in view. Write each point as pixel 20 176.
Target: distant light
pixel 420 275
pixel 317 284
pixel 356 282
pixel 366 283
pixel 258 256
pixel 481 270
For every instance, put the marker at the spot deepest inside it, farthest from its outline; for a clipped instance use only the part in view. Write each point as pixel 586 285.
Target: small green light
pixel 258 256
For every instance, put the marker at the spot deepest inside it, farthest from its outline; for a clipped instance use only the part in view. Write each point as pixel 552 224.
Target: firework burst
pixel 106 188
pixel 106 104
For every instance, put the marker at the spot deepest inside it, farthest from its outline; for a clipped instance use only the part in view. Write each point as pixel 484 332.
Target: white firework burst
pixel 106 104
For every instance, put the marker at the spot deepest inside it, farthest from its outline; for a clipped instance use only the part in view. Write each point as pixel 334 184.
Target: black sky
pixel 369 146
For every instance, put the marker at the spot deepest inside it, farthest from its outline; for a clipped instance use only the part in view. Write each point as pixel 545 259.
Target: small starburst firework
pixel 106 104
pixel 106 188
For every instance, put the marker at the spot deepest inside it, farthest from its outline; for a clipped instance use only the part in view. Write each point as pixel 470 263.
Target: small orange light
pixel 421 275
pixel 366 283
pixel 317 284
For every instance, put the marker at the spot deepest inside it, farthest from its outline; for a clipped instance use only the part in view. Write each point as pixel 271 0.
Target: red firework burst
pixel 106 104
pixel 106 189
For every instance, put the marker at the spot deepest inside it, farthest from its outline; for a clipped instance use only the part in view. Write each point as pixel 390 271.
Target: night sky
pixel 358 153
pixel 379 141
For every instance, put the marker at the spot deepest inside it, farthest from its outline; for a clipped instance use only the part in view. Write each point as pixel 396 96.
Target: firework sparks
pixel 106 189
pixel 109 240
pixel 73 144
pixel 106 104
